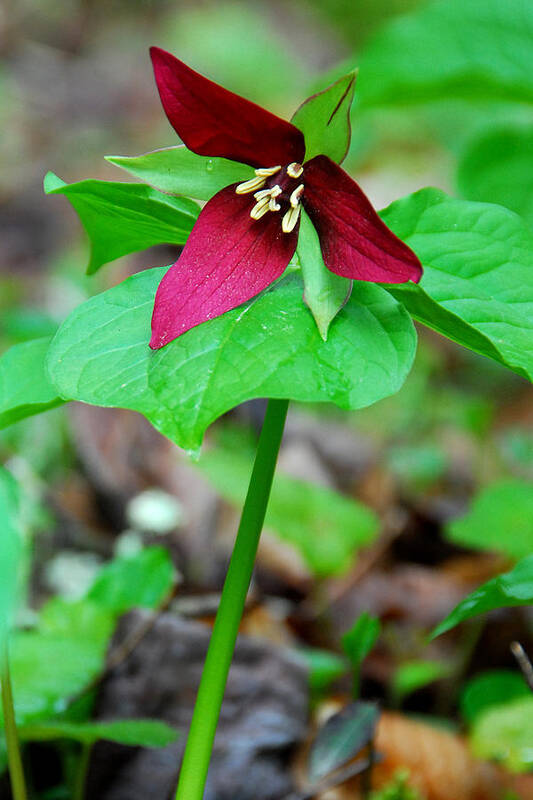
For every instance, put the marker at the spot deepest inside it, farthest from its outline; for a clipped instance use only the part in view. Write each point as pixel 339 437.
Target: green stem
pixel 81 772
pixel 195 764
pixel 16 772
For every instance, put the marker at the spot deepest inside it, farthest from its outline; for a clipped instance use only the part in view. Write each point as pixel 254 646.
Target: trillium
pixel 247 233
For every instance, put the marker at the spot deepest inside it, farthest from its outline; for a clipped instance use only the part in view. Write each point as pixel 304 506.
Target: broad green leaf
pixel 413 675
pixel 142 580
pixel 25 388
pixel 495 687
pixel 476 288
pixel 132 732
pixel 177 170
pixel 69 647
pixel 324 292
pixel 341 738
pixel 475 49
pixel 514 588
pixel 497 167
pixel 269 347
pixel 500 519
pixel 505 733
pixel 361 638
pixel 121 218
pixel 299 513
pixel 10 548
pixel 324 119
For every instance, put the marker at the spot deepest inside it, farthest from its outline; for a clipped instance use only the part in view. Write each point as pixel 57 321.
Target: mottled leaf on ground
pixel 497 167
pixel 142 580
pixel 132 732
pixel 341 738
pixel 25 388
pixel 476 288
pixel 324 119
pixel 268 347
pixel 500 518
pixel 326 528
pixel 514 588
pixel 475 49
pixel 504 733
pixel 122 218
pixel 491 688
pixel 177 170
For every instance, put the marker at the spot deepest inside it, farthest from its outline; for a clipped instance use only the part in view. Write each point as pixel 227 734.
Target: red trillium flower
pixel 247 233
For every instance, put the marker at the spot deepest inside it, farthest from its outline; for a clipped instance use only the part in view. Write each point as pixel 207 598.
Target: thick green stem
pixel 217 663
pixel 16 772
pixel 81 772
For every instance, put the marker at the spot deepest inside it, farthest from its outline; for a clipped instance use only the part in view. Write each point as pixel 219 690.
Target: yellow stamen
pixel 294 170
pixel 260 208
pixel 296 195
pixel 250 186
pixel 288 223
pixel 266 172
pixel 263 193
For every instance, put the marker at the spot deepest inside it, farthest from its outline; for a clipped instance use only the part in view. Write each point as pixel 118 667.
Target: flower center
pixel 276 192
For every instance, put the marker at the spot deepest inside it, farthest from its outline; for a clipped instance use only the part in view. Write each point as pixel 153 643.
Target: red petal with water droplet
pixel 215 122
pixel 228 259
pixel 355 242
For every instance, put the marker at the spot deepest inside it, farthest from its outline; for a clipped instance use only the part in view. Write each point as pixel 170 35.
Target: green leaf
pixel 514 588
pixel 69 647
pixel 341 738
pixel 495 687
pixel 132 732
pixel 324 292
pixel 324 667
pixel 361 638
pixel 139 581
pixel 121 218
pixel 504 733
pixel 476 288
pixel 25 388
pixel 269 347
pixel 324 119
pixel 413 675
pixel 497 168
pixel 10 547
pixel 475 49
pixel 500 519
pixel 177 170
pixel 299 512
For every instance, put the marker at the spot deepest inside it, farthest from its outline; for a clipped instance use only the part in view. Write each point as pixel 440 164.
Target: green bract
pixel 25 388
pixel 476 288
pixel 269 347
pixel 122 218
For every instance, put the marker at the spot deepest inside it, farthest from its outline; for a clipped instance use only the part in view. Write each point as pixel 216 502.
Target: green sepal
pixel 324 292
pixel 122 218
pixel 177 170
pixel 324 120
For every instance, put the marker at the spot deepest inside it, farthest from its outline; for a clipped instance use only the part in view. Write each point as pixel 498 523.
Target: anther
pixel 260 208
pixel 288 223
pixel 266 172
pixel 294 170
pixel 296 195
pixel 250 186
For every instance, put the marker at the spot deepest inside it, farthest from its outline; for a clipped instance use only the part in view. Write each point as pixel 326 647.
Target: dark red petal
pixel 228 258
pixel 215 122
pixel 355 242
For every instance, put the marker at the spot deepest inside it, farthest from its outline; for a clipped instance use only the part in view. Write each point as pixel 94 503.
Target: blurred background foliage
pixel 427 492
